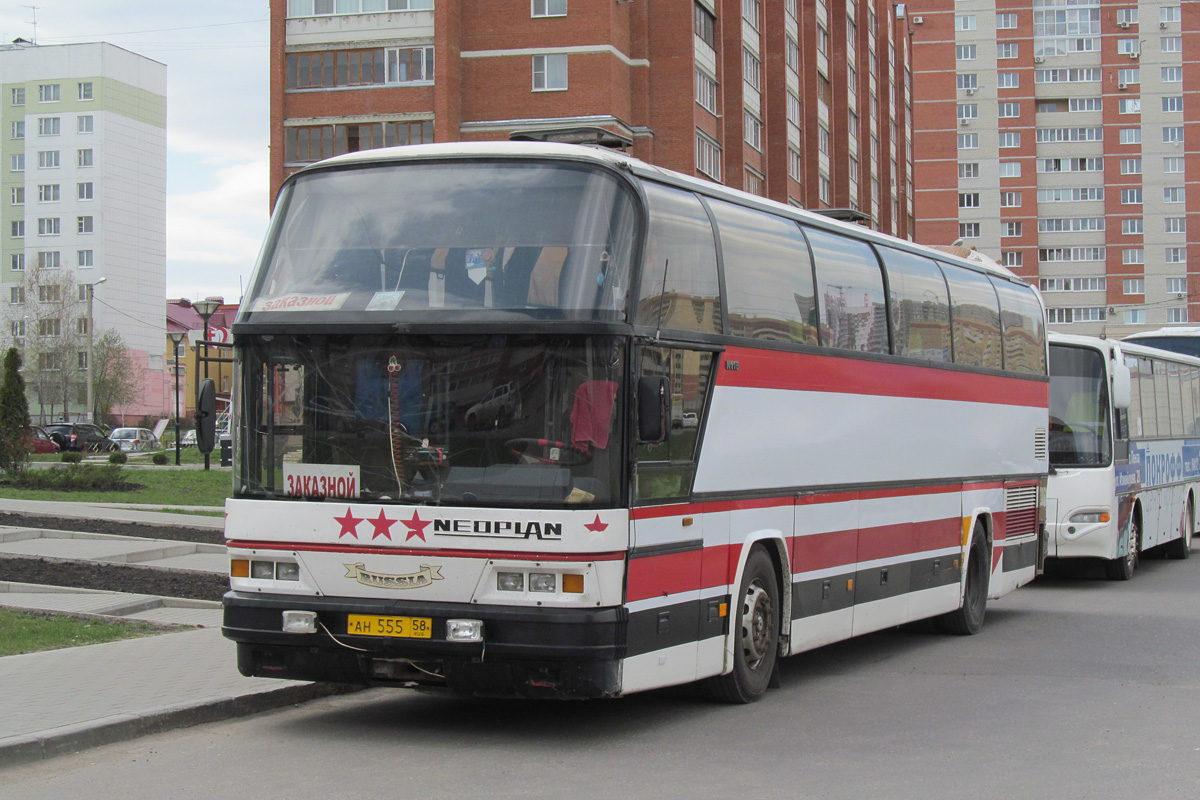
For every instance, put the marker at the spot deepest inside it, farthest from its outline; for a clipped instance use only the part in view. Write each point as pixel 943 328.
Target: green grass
pixel 163 486
pixel 21 632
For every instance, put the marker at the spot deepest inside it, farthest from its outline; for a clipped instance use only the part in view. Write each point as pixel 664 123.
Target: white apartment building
pixel 83 207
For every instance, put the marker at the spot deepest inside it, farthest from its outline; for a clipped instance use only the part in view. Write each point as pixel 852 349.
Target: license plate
pixel 399 627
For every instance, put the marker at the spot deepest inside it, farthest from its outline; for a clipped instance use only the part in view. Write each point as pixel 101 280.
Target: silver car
pixel 135 439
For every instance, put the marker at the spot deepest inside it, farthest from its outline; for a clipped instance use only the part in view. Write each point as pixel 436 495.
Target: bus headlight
pixel 510 581
pixel 541 582
pixel 1090 517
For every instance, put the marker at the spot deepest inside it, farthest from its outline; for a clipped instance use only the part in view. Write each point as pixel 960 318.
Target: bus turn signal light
pixel 239 568
pixel 572 584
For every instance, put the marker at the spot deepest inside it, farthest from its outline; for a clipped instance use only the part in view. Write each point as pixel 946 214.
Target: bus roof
pixel 622 161
pixel 1178 331
pixel 1127 347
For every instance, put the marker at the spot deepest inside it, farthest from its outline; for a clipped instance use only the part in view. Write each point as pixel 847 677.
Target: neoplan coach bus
pixel 1124 451
pixel 459 460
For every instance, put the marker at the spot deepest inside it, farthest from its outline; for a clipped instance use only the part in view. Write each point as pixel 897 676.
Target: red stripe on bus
pixel 774 369
pixel 908 538
pixel 825 551
pixel 712 507
pixel 438 553
pixel 716 506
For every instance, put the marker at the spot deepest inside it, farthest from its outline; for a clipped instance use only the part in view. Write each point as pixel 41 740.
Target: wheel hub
pixel 758 623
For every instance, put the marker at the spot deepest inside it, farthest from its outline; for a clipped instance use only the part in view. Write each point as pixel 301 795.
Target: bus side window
pixel 850 292
pixel 679 288
pixel 1024 332
pixel 666 470
pixel 975 312
pixel 920 306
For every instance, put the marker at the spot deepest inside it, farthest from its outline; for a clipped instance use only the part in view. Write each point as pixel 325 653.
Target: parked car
pixel 134 439
pixel 499 406
pixel 38 441
pixel 81 437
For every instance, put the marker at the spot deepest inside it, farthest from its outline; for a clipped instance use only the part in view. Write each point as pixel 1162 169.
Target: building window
pixel 1129 105
pixel 965 52
pixel 549 8
pixel 964 22
pixel 1171 135
pixel 968 111
pixel 968 141
pixel 85 123
pixel 1131 136
pixel 16 162
pixel 1175 255
pixel 822 40
pixel 50 259
pixel 1131 227
pixel 750 12
pixel 967 80
pixel 751 69
pixel 1009 230
pixel 968 230
pixel 795 164
pixel 1133 286
pixel 17 130
pixel 49 126
pixel 1012 258
pixel 1177 315
pixel 48 159
pixel 84 258
pixel 49 327
pixel 49 293
pixel 1172 105
pixel 753 130
pixel 1010 199
pixel 48 93
pixel 1135 317
pixel 83 224
pixel 1176 285
pixel 1009 110
pixel 1131 166
pixel 1010 139
pixel 968 199
pixel 755 181
pixel 1173 194
pixel 17 262
pixel 16 295
pixel 17 197
pixel 1171 44
pixel 413 64
pixel 824 188
pixel 1008 80
pixel 83 191
pixel 706 91
pixel 84 157
pixel 48 193
pixel 1006 22
pixel 1131 197
pixel 708 156
pixel 18 96
pixel 550 73
pixel 1172 74
pixel 1010 169
pixel 49 226
pixel 704 25
pixel 793 55
pixel 18 328
pixel 1129 75
pixel 17 228
pixel 968 169
pixel 305 145
pixel 1174 225
pixel 1128 47
pixel 1006 50
pixel 85 90
pixel 318 8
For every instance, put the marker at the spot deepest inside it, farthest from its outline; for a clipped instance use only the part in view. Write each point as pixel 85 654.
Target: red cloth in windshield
pixel 591 416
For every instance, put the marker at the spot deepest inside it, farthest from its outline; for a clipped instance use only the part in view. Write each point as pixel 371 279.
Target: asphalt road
pixel 1076 688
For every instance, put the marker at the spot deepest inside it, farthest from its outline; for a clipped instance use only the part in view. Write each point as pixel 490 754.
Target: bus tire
pixel 1182 547
pixel 967 619
pixel 756 632
pixel 1122 569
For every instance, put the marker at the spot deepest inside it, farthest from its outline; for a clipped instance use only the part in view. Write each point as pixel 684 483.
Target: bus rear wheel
pixel 756 634
pixel 1182 547
pixel 967 620
pixel 1122 569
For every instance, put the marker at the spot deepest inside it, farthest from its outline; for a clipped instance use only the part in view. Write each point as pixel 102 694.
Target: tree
pixel 114 378
pixel 48 310
pixel 14 415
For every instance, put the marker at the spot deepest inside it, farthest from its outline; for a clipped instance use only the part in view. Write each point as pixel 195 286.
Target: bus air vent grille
pixel 1021 511
pixel 1039 444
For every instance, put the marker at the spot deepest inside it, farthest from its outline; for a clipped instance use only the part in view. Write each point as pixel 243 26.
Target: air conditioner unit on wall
pixel 971 91
pixel 1134 54
pixel 1038 59
pixel 1122 86
pixel 1122 24
pixel 1162 25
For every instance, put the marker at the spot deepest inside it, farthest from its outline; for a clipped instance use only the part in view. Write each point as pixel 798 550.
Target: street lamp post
pixel 205 308
pixel 90 294
pixel 176 338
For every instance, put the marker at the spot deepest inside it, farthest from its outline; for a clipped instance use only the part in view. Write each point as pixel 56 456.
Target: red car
pixel 38 441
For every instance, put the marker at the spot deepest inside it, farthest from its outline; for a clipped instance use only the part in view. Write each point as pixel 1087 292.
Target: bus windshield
pixel 489 420
pixel 369 243
pixel 1079 428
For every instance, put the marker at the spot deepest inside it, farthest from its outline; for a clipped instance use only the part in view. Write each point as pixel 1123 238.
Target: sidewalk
pixel 61 701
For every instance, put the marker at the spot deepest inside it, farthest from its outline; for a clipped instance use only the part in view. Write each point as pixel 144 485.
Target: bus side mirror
pixel 1121 387
pixel 206 416
pixel 654 409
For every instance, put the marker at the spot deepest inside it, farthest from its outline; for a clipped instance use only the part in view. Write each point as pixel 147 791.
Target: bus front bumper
pixel 525 652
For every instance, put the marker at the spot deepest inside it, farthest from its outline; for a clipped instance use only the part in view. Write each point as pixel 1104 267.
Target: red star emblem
pixel 382 526
pixel 597 526
pixel 416 527
pixel 349 524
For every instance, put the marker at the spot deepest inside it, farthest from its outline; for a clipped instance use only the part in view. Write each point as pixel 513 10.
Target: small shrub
pixel 75 477
pixel 117 457
pixel 159 458
pixel 72 457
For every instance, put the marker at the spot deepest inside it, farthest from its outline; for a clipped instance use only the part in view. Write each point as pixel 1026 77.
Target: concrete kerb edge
pixel 84 736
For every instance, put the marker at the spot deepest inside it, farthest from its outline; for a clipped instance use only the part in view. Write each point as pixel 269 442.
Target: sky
pixel 218 117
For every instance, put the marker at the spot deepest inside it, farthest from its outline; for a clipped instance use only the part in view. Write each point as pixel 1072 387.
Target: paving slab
pixel 112 548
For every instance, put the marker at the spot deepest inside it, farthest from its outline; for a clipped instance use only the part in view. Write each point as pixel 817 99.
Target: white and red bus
pixel 543 420
pixel 1124 452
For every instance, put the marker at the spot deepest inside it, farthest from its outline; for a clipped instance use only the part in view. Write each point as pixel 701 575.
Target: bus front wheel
pixel 1122 569
pixel 756 634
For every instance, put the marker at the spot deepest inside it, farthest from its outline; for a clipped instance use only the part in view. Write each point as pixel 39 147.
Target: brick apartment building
pixel 802 101
pixel 1055 138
